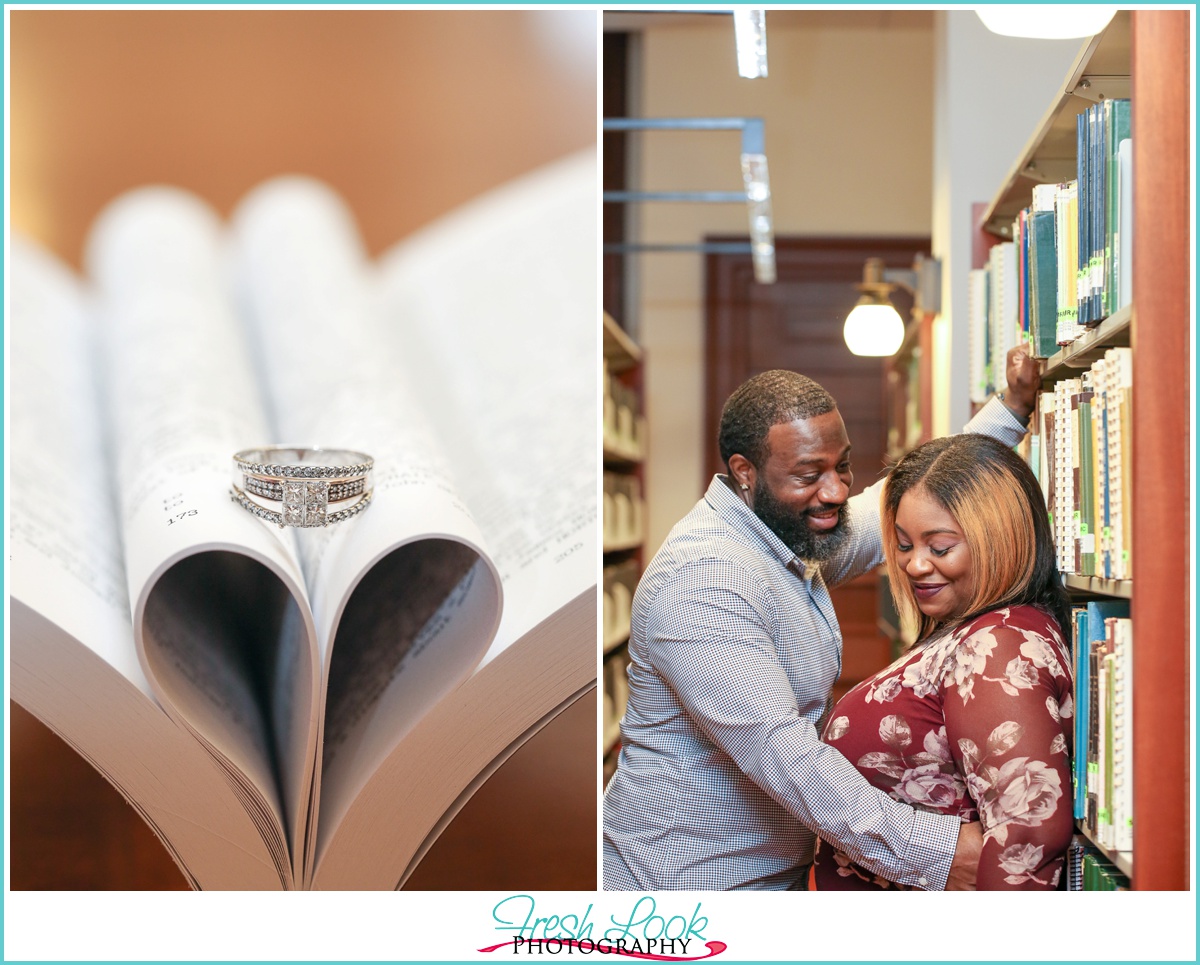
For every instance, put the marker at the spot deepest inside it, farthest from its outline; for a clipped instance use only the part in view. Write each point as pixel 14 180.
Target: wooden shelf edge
pixel 613 644
pixel 621 455
pixel 1123 860
pixel 1113 332
pixel 623 546
pixel 1099 585
pixel 619 349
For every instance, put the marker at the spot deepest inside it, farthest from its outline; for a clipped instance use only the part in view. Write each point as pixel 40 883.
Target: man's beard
pixel 792 527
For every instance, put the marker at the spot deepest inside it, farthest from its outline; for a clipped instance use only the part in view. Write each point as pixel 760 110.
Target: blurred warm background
pixel 407 114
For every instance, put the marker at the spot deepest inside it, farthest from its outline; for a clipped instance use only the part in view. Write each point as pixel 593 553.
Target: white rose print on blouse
pixel 975 724
pixel 926 778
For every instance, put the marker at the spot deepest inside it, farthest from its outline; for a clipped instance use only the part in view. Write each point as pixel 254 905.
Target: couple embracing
pixel 949 769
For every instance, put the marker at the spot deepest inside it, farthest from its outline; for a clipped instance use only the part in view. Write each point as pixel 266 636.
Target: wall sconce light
pixel 750 34
pixel 874 327
pixel 1046 21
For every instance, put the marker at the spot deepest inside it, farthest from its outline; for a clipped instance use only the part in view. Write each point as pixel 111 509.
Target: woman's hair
pixel 997 503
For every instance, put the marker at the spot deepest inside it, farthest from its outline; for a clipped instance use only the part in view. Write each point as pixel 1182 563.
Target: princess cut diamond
pixel 304 502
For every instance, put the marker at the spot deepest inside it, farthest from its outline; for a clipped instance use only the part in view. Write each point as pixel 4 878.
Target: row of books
pixel 624 511
pixel 1104 195
pixel 620 582
pixel 1103 773
pixel 624 426
pixel 1089 870
pixel 616 697
pixel 1068 266
pixel 1081 453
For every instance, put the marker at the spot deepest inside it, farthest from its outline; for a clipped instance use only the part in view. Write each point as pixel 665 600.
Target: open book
pixel 306 708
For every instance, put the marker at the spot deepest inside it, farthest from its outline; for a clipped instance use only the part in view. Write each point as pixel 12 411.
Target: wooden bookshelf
pixel 1100 71
pixel 622 546
pixel 623 462
pixel 1143 54
pixel 1099 586
pixel 908 389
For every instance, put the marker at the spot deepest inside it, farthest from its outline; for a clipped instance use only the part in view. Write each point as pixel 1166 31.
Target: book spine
pixel 1086 553
pixel 1081 676
pixel 1097 171
pixel 1103 508
pixel 1093 742
pixel 1075 852
pixel 1065 241
pixel 1044 279
pixel 1122 818
pixel 1083 223
pixel 1124 241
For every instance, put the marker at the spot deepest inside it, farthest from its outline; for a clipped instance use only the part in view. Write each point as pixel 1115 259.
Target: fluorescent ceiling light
pixel 1046 21
pixel 758 204
pixel 750 32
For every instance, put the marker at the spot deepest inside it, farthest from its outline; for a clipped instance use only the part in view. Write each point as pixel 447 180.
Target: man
pixel 722 780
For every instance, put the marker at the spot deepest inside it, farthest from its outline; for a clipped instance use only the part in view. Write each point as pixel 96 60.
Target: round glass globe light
pixel 873 330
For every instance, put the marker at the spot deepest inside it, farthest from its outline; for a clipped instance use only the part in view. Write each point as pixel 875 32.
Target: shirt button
pixel 923 882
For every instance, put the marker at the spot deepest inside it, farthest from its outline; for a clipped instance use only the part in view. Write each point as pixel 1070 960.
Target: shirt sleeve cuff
pixel 998 421
pixel 931 850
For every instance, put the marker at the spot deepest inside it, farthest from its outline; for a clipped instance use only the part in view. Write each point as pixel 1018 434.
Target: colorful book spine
pixel 1066 235
pixel 1120 451
pixel 1122 728
pixel 1043 283
pixel 1083 223
pixel 1123 239
pixel 1079 659
pixel 1117 131
pixel 1086 540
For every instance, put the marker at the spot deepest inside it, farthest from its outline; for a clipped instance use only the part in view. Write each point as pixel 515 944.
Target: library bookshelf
pixel 1144 55
pixel 624 520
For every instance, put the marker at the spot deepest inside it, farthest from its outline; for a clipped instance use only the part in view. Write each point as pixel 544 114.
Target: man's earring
pixel 744 486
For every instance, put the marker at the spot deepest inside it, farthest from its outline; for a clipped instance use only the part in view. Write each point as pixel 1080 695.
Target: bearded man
pixel 722 781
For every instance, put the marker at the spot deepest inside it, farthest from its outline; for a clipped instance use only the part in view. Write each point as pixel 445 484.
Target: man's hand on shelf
pixel 1024 380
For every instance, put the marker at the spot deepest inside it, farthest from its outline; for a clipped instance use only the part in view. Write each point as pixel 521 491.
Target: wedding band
pixel 305 481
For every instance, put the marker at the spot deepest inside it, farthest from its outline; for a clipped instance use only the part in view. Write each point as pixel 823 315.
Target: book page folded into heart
pixel 306 708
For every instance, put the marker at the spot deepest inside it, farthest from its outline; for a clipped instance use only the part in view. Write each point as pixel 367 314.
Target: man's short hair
pixel 766 400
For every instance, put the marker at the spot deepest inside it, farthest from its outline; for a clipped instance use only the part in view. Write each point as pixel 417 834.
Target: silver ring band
pixel 272 489
pixel 305 480
pixel 301 462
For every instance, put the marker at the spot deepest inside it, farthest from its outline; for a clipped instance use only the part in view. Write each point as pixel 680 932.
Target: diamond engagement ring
pixel 298 486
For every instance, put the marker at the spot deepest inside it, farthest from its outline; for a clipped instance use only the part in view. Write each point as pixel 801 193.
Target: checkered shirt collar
pixel 744 521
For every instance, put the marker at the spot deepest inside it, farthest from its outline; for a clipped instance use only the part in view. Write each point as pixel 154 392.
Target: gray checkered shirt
pixel 722 781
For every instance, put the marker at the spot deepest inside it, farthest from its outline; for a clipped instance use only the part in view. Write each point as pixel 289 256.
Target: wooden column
pixel 1162 515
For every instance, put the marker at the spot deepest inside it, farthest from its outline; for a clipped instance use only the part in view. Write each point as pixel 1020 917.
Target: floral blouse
pixel 978 724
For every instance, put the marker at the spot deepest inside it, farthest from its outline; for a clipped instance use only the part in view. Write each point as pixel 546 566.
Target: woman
pixel 975 720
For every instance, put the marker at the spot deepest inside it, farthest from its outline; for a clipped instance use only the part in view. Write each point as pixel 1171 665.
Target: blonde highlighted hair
pixel 997 503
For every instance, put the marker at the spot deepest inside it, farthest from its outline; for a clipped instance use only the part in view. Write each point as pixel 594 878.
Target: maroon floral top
pixel 978 724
